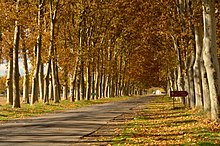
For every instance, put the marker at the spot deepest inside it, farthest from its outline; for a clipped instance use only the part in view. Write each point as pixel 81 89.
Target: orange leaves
pixel 160 124
pixel 214 126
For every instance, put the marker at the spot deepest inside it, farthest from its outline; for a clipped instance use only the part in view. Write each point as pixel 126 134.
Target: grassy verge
pixel 161 124
pixel 9 113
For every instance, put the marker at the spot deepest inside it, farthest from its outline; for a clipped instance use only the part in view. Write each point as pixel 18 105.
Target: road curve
pixel 62 129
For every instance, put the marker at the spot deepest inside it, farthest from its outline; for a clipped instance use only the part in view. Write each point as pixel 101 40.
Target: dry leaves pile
pixel 161 124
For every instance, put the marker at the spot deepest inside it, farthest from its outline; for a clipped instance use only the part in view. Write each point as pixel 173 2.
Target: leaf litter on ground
pixel 159 123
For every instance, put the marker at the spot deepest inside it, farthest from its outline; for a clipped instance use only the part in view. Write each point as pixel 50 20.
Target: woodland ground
pixel 159 123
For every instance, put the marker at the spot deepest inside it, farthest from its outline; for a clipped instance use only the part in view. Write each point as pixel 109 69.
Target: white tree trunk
pixel 9 82
pixel 52 53
pixel 41 4
pixel 89 82
pixel 54 82
pixel 46 83
pixel 205 87
pixel 35 78
pixel 210 56
pixel 65 86
pixel 73 80
pixel 34 92
pixel 71 95
pixel 95 84
pixel 106 86
pixel 51 97
pixel 197 68
pixel 16 94
pixel 175 88
pixel 41 81
pixel 179 67
pixel 26 78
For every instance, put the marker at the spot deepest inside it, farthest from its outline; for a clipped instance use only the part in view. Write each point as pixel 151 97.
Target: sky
pixel 3 68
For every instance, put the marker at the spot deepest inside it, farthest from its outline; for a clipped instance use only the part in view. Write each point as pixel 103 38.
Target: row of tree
pixel 193 32
pixel 101 48
pixel 90 48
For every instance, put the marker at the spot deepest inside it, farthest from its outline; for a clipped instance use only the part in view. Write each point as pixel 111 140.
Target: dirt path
pixel 72 127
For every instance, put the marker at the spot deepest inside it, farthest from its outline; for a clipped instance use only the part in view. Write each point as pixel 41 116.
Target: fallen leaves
pixel 160 124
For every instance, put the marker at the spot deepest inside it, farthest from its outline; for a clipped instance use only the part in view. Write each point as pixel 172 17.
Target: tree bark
pixel 37 49
pixel 89 82
pixel 54 81
pixel 65 85
pixel 26 78
pixel 16 94
pixel 41 81
pixel 34 95
pixel 52 53
pixel 179 66
pixel 73 81
pixel 9 82
pixel 205 87
pixel 210 56
pixel 46 83
pixel 197 68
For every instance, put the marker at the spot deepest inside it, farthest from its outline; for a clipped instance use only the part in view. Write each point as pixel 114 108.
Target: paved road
pixel 65 128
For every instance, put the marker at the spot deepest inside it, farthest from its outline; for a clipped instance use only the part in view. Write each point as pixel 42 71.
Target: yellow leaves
pixel 214 126
pixel 161 125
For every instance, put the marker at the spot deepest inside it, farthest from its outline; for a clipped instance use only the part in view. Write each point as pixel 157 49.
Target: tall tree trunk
pixel 197 67
pixel 37 50
pixel 65 89
pixel 16 94
pixel 179 66
pixel 169 83
pixel 79 89
pixel 191 79
pixel 205 87
pixel 175 88
pixel 46 83
pixel 34 94
pixel 82 80
pixel 104 84
pixel 26 78
pixel 58 81
pixel 98 81
pixel 54 81
pixel 96 74
pixel 9 82
pixel 51 93
pixel 210 56
pixel 41 81
pixel 72 85
pixel 52 53
pixel 41 4
pixel 73 80
pixel 65 85
pixel 89 82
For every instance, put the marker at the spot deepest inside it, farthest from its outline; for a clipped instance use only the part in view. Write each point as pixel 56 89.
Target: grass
pixel 161 124
pixel 38 109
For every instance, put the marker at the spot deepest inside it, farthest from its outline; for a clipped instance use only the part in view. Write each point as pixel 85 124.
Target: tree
pixel 26 77
pixel 210 56
pixel 197 68
pixel 51 64
pixel 37 76
pixel 16 94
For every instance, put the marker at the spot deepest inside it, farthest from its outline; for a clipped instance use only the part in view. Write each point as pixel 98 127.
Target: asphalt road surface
pixel 64 128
